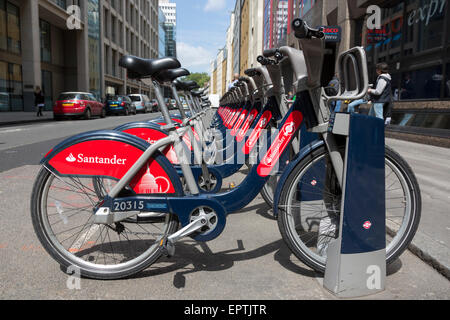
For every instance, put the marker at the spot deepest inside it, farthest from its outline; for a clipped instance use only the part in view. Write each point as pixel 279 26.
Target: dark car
pixel 78 104
pixel 120 105
pixel 154 104
pixel 170 104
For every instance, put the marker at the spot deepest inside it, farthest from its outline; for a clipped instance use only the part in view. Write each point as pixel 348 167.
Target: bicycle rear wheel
pixel 62 215
pixel 310 203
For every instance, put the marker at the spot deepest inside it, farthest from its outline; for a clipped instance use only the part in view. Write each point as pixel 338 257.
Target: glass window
pixel 94 47
pixel 13 27
pixel 4 94
pixel 424 23
pixel 47 89
pixel 305 6
pixel 422 84
pixel 447 82
pixel 46 47
pixel 3 32
pixel 69 96
pixel 15 87
pixel 422 120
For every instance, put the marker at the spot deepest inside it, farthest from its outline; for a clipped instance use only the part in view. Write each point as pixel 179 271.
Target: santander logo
pixel 71 158
pixel 289 129
pixel 81 158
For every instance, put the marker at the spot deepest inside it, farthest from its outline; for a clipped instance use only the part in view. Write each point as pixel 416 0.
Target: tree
pixel 201 78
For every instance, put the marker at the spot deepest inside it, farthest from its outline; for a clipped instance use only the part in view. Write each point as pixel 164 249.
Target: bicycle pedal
pixel 168 248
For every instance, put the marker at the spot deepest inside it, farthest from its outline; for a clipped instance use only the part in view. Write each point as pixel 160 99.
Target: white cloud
pixel 215 5
pixel 195 59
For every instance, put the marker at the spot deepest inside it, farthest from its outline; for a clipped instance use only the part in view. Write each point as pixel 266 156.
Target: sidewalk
pixel 431 166
pixel 11 118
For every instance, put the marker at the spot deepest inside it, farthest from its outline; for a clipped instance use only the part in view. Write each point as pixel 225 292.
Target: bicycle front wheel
pixel 62 210
pixel 310 204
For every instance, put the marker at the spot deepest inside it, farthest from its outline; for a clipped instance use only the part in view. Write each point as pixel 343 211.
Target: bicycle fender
pixel 289 168
pixel 152 132
pixel 111 154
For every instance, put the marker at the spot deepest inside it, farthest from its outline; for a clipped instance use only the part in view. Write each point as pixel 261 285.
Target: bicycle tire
pixel 291 233
pixel 67 257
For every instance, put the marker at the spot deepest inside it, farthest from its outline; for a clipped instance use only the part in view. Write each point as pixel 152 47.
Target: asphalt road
pixel 27 144
pixel 248 261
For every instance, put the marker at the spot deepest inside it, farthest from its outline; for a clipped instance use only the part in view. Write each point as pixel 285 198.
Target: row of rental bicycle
pixel 112 202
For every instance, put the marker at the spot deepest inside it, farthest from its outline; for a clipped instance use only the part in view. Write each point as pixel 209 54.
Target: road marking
pixel 11 130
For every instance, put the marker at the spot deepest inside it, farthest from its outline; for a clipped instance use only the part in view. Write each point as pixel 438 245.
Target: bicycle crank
pixel 203 221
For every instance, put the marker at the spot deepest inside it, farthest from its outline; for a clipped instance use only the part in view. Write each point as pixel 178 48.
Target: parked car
pixel 141 102
pixel 78 104
pixel 120 105
pixel 154 103
pixel 173 102
pixel 169 103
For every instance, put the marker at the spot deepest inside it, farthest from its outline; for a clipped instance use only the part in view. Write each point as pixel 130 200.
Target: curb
pixel 437 257
pixel 10 123
pixel 431 252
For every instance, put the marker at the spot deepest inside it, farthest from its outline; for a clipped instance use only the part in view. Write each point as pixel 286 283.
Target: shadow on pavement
pixel 190 259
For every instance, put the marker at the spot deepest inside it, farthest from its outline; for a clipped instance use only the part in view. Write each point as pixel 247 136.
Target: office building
pixel 71 45
pixel 170 11
pixel 170 27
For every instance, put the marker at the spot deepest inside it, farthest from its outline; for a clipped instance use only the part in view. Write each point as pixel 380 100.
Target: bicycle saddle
pixel 142 68
pixel 197 93
pixel 252 72
pixel 171 75
pixel 186 85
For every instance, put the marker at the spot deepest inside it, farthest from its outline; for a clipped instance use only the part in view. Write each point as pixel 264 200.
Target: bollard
pixel 356 260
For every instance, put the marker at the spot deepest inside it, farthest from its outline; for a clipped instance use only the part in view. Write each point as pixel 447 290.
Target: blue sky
pixel 201 31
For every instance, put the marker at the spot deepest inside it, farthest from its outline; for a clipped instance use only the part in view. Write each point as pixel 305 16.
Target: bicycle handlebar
pixel 302 30
pixel 270 52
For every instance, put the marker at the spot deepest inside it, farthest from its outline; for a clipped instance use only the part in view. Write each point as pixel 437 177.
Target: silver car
pixel 141 102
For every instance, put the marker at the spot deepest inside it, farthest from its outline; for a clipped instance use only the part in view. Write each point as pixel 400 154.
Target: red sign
pixel 111 159
pixel 239 122
pixel 262 124
pixel 246 125
pixel 280 143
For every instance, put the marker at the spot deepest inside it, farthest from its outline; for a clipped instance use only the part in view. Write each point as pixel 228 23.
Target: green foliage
pixel 201 78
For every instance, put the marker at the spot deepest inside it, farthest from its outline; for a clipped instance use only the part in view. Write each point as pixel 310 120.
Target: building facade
pixel 128 28
pixel 413 38
pixel 71 45
pixel 170 27
pixel 229 48
pixel 256 23
pixel 170 11
pixel 161 34
pixel 244 36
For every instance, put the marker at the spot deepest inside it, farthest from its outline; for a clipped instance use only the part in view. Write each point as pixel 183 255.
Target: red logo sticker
pixel 239 122
pixel 262 124
pixel 367 225
pixel 280 143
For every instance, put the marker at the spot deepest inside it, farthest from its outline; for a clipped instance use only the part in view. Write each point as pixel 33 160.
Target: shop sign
pixel 332 33
pixel 426 12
